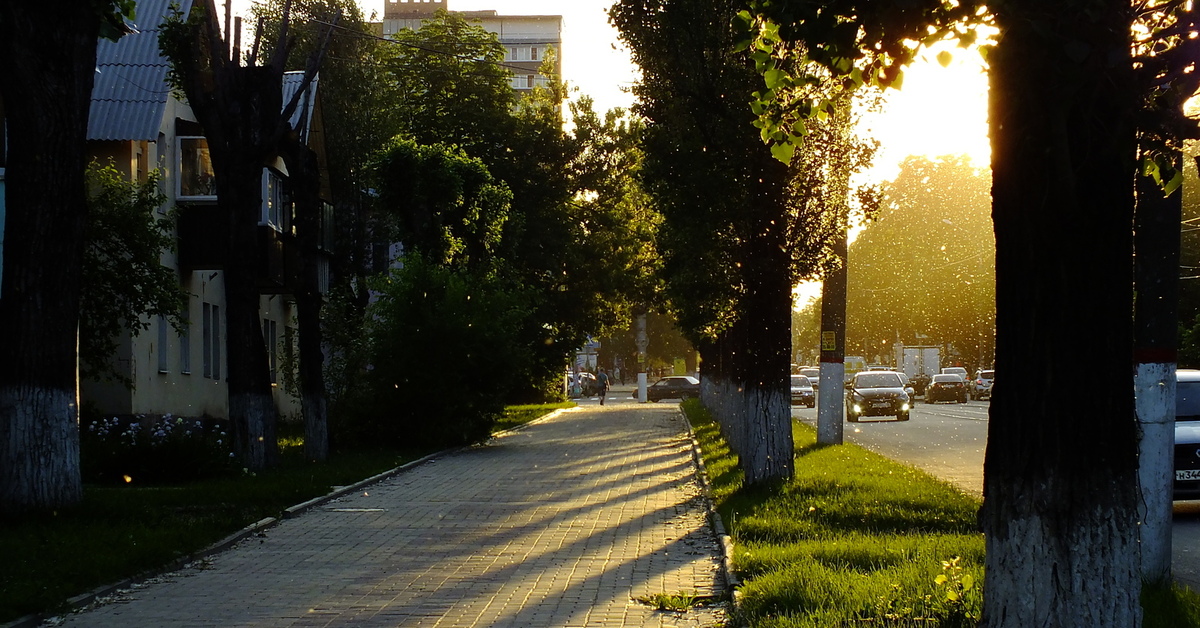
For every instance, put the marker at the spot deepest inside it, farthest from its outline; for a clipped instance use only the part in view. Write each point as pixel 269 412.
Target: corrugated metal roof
pixel 130 92
pixel 291 84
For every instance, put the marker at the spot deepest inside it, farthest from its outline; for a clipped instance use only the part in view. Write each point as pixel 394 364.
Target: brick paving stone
pixel 563 524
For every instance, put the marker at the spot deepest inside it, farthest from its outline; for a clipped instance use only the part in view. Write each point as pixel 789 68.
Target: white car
pixel 981 385
pixel 957 370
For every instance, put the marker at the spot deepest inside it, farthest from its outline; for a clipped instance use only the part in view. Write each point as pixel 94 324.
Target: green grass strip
pixel 855 539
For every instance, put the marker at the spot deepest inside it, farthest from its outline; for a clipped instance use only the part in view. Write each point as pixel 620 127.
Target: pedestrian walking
pixel 602 385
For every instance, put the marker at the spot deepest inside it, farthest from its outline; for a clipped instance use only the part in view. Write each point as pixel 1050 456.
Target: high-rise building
pixel 525 37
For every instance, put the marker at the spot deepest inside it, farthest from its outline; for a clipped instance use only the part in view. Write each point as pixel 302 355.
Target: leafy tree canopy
pixel 452 86
pixel 923 272
pixel 124 282
pixel 449 208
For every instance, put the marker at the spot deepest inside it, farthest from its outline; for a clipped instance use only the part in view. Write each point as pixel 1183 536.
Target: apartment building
pixel 526 38
pixel 136 122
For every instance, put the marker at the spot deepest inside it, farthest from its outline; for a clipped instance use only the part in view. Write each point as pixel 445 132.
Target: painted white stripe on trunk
pixel 1154 386
pixel 829 403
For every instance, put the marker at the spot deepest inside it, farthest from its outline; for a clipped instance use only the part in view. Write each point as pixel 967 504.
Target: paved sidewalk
pixel 561 524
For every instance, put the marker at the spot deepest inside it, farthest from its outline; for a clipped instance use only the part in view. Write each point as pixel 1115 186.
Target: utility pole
pixel 833 347
pixel 642 340
pixel 1155 318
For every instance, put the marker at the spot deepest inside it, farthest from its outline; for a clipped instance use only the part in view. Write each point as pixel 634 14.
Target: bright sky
pixel 938 111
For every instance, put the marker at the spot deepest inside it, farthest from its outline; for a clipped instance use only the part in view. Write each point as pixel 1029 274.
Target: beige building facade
pixel 526 38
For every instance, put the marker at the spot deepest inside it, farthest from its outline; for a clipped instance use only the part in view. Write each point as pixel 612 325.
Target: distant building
pixel 525 37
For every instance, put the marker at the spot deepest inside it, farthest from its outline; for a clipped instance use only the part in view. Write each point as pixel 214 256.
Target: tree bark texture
pixel 241 111
pixel 48 55
pixel 252 412
pixel 1059 510
pixel 763 362
pixel 304 181
pixel 753 399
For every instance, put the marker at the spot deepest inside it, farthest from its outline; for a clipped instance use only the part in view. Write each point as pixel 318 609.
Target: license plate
pixel 1187 474
pixel 881 404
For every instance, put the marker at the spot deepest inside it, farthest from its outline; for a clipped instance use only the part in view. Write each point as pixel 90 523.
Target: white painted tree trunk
pixel 768 451
pixel 39 449
pixel 1057 571
pixel 1154 384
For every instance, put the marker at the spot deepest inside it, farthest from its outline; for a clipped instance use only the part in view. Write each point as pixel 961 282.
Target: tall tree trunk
pixel 48 56
pixel 766 326
pixel 1059 510
pixel 304 181
pixel 252 412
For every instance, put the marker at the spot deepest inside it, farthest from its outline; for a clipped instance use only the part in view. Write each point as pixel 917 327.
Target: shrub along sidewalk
pixel 855 539
pixel 122 531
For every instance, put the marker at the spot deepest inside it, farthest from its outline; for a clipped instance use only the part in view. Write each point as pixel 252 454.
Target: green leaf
pixel 1174 184
pixel 742 21
pixel 783 152
pixel 773 77
pixel 968 582
pixel 941 579
pixel 952 595
pixel 944 57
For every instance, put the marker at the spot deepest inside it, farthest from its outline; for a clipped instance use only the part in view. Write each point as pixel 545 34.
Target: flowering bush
pixel 154 450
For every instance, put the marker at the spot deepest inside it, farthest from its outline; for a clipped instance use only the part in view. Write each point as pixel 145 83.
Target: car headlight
pixel 857 408
pixel 904 406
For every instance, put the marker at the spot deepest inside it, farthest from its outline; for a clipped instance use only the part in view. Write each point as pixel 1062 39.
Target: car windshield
pixel 947 378
pixel 800 381
pixel 1187 401
pixel 877 380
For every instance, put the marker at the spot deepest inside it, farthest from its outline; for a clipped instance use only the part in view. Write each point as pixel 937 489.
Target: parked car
pixel 813 374
pixel 946 387
pixel 1187 434
pixel 674 387
pixel 981 385
pixel 802 392
pixel 877 393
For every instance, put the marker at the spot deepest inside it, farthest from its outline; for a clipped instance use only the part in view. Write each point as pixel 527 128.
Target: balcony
pixel 204 245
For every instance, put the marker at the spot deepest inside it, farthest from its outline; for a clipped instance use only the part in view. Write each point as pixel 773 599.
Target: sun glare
pixel 938 111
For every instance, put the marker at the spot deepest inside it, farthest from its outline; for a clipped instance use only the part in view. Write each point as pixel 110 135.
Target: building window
pixel 185 344
pixel 196 179
pixel 162 344
pixel 533 54
pixel 271 337
pixel 529 81
pixel 273 213
pixel 212 341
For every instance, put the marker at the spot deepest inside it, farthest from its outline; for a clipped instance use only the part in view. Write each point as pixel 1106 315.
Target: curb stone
pixel 732 582
pixel 84 600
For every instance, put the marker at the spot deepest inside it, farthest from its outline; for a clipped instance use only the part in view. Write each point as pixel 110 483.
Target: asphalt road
pixel 948 441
